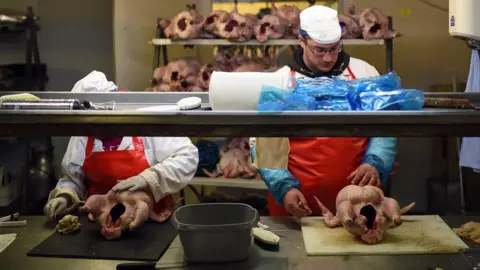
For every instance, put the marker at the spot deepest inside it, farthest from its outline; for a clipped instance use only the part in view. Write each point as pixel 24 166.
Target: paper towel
pixel 235 91
pixel 94 82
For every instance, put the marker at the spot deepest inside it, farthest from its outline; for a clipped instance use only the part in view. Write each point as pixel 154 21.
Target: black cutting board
pixel 146 243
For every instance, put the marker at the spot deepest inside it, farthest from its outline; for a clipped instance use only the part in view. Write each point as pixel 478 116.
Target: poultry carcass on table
pixel 291 14
pixel 118 212
pixel 373 24
pixel 181 75
pixel 185 25
pixel 364 212
pixel 234 160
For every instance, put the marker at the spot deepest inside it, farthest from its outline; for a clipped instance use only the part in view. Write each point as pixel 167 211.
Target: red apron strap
pixel 137 143
pixel 89 147
pixel 292 78
pixel 351 73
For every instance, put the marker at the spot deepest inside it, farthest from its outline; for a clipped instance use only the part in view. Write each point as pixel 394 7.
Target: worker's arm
pixel 176 161
pixel 270 157
pixel 381 153
pixel 71 186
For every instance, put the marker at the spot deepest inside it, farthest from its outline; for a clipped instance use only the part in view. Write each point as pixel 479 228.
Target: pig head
pixel 364 212
pixel 118 212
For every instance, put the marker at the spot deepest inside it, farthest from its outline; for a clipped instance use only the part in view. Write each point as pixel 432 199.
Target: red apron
pixel 104 169
pixel 322 166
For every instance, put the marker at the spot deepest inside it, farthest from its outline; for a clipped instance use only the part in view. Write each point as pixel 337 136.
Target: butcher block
pixel 417 235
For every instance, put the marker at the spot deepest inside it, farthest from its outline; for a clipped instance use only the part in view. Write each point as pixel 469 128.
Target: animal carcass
pixel 364 212
pixel 271 27
pixel 233 26
pixel 186 25
pixel 203 80
pixel 292 15
pixel 118 212
pixel 373 24
pixel 234 160
pixel 181 75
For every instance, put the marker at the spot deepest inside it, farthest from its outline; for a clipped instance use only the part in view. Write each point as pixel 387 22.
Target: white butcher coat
pixel 173 162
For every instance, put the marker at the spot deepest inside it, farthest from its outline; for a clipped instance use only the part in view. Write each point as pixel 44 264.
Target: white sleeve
pixel 176 163
pixel 72 167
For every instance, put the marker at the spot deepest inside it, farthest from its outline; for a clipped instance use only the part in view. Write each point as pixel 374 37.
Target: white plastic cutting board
pixel 417 235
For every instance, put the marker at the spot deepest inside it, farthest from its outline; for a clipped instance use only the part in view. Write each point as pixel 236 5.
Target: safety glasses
pixel 320 52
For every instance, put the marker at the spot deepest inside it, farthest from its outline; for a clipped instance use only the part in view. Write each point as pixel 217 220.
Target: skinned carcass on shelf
pixel 373 24
pixel 233 26
pixel 290 13
pixel 350 24
pixel 181 75
pixel 157 81
pixel 271 27
pixel 203 80
pixel 216 23
pixel 185 25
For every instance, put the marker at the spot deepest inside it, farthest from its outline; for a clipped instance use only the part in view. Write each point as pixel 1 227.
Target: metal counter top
pixel 241 124
pixel 292 249
pixel 126 121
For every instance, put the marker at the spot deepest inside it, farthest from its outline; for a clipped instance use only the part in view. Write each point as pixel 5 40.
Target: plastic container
pixel 215 232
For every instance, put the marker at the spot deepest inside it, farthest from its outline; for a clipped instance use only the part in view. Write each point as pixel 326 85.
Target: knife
pixel 136 266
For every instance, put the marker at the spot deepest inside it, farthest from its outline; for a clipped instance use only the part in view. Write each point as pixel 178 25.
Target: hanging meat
pixel 291 14
pixel 186 25
pixel 350 24
pixel 233 26
pixel 122 211
pixel 373 24
pixel 364 212
pixel 234 160
pixel 271 27
pixel 216 23
pixel 203 80
pixel 181 75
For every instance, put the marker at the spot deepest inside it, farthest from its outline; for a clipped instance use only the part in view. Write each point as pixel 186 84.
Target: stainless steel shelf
pixel 279 42
pixel 244 124
pixel 126 121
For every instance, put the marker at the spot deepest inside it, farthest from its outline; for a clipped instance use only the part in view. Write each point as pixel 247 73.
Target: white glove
pixel 56 206
pixel 132 184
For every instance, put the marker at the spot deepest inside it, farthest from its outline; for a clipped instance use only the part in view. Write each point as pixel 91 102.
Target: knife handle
pixel 136 266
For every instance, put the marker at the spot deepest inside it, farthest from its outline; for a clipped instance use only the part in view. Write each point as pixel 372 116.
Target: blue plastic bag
pixel 333 94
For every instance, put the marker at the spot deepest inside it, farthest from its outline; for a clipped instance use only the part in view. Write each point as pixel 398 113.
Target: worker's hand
pixel 365 175
pixel 132 184
pixel 56 206
pixel 295 203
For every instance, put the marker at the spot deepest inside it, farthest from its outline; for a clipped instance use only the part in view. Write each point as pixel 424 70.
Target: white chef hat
pixel 321 24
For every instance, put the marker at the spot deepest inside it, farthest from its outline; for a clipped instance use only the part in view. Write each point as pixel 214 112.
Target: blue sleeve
pixel 278 181
pixel 381 153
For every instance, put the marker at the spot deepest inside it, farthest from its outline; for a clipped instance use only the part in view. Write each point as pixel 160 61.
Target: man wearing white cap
pixel 298 169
